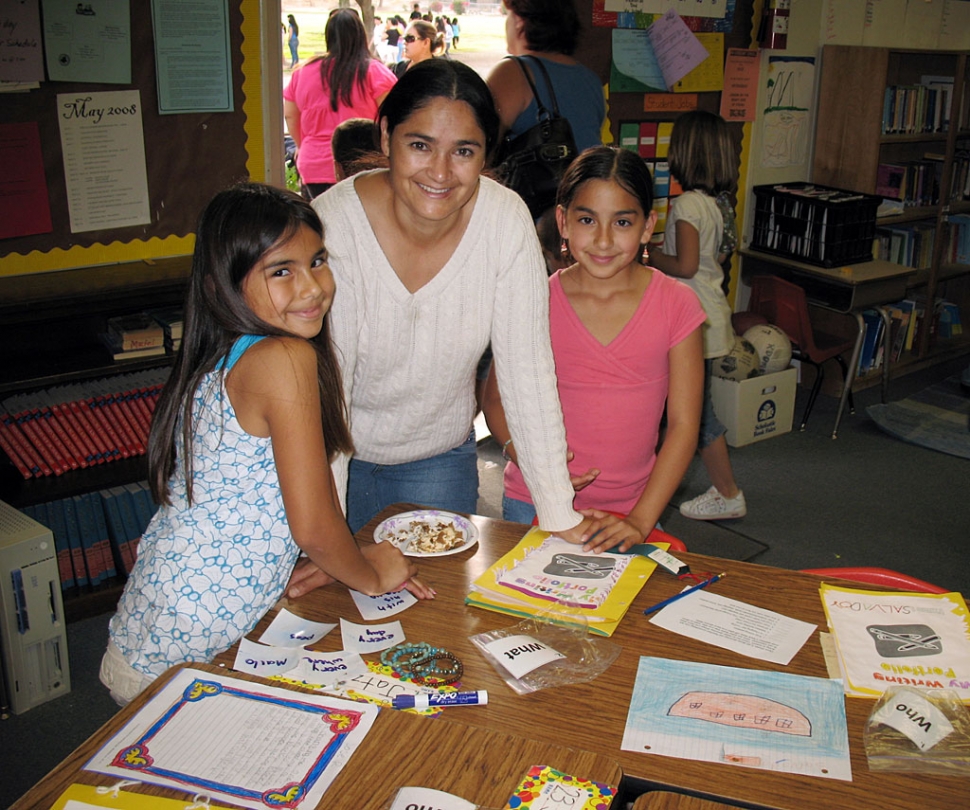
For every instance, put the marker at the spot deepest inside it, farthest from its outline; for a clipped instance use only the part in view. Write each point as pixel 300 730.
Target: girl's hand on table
pixel 306 577
pixel 608 531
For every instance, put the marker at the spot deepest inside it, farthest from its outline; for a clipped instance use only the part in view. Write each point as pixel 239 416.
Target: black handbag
pixel 533 163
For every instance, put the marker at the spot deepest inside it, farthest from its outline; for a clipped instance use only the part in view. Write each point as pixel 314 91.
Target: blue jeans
pixel 711 427
pixel 517 511
pixel 446 481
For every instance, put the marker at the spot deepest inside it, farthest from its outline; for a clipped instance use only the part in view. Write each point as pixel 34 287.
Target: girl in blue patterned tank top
pixel 240 447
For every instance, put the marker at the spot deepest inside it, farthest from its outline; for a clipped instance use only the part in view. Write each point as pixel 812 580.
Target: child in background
pixel 353 147
pixel 703 158
pixel 627 341
pixel 240 446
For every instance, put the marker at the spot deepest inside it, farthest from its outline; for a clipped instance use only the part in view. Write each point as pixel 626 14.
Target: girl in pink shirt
pixel 627 341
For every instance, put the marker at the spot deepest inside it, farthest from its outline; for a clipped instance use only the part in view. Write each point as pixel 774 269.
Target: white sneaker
pixel 712 505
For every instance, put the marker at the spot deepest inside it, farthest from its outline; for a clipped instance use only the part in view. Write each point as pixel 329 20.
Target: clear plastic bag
pixel 583 657
pixel 923 730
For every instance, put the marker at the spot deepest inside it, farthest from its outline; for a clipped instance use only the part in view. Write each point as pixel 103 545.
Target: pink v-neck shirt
pixel 613 396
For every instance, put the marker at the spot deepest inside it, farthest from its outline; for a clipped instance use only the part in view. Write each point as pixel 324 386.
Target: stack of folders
pixel 546 573
pixel 888 638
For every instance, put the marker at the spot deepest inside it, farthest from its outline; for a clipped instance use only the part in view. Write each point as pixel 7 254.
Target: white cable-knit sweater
pixel 409 360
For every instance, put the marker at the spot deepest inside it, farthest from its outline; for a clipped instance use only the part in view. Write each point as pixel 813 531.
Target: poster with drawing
pixel 786 117
pixel 772 721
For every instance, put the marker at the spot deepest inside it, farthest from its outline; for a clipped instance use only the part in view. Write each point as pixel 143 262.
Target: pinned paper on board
pixel 786 132
pixel 772 721
pixel 655 58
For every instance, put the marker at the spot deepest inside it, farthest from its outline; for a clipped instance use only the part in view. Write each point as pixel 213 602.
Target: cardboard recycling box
pixel 757 408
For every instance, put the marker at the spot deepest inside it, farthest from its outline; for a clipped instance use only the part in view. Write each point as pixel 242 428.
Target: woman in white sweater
pixel 432 262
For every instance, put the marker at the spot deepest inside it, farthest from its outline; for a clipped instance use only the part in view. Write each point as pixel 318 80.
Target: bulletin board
pixel 189 157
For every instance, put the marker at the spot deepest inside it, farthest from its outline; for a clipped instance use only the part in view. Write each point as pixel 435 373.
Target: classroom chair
pixel 878 576
pixel 784 304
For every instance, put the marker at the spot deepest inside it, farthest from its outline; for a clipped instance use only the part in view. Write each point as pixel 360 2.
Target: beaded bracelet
pixel 423 663
pixel 402 657
pixel 439 669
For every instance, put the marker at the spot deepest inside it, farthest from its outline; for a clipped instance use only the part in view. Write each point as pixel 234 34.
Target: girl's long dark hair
pixel 347 58
pixel 235 230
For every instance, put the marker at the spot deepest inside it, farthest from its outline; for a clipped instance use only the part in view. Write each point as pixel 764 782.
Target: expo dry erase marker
pixel 682 594
pixel 426 701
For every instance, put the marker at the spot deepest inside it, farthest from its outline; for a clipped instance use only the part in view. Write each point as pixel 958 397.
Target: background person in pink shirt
pixel 345 83
pixel 627 341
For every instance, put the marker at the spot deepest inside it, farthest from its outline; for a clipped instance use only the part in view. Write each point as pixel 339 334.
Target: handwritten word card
pixel 369 639
pixel 387 604
pixel 260 659
pixel 289 630
pixel 522 654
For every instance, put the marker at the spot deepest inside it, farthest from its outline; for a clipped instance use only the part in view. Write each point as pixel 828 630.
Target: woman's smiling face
pixel 436 157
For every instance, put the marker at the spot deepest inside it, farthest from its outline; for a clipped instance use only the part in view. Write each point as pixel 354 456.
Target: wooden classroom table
pixel 592 716
pixel 479 764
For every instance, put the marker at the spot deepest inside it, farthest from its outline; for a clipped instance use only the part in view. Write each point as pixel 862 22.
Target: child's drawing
pixel 742 711
pixel 752 718
pixel 785 134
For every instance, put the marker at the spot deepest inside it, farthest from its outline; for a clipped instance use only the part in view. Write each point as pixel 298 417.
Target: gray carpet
pixel 938 417
pixel 865 498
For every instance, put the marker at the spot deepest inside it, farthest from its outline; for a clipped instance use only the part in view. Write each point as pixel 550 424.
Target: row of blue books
pixel 96 535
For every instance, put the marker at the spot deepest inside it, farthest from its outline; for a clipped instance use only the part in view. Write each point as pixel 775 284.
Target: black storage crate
pixel 815 224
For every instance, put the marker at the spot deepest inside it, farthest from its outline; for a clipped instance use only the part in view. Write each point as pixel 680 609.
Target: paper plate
pixel 403 533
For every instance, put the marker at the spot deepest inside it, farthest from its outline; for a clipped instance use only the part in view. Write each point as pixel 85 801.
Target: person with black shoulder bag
pixel 551 107
pixel 533 163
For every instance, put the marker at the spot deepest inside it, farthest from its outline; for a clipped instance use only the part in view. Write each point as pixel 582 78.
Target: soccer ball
pixel 739 363
pixel 772 345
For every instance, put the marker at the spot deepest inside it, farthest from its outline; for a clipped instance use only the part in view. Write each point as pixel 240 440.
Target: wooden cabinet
pixel 850 146
pixel 49 335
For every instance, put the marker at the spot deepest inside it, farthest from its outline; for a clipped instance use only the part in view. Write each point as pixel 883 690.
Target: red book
pixel 72 439
pixel 135 419
pixel 40 435
pixel 10 446
pixel 91 429
pixel 69 454
pixel 24 445
pixel 80 438
pixel 97 415
pixel 42 452
pixel 647 146
pixel 104 396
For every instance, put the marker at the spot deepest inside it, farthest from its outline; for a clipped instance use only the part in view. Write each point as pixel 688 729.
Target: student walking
pixel 627 342
pixel 240 447
pixel 703 159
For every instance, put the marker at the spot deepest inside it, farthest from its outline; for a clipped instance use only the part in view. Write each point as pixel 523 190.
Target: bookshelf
pixel 49 327
pixel 850 146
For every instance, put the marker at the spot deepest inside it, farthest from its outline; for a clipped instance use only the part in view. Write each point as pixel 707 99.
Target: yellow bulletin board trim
pixel 36 261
